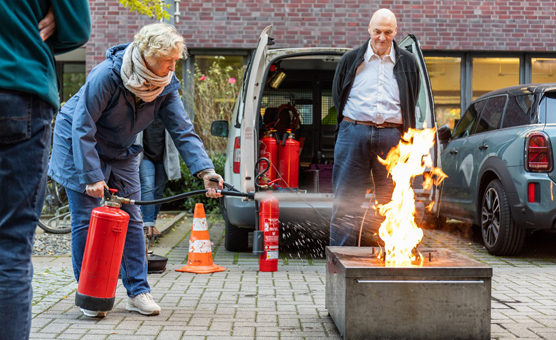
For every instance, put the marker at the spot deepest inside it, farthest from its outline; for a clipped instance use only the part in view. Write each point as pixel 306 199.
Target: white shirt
pixel 375 95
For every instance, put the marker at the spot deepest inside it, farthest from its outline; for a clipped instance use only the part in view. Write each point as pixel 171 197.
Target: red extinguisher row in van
pixel 285 155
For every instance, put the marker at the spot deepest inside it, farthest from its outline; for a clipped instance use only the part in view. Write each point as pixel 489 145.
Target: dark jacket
pixel 406 71
pixel 27 63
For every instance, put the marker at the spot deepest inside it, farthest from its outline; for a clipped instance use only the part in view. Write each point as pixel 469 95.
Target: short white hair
pixel 160 40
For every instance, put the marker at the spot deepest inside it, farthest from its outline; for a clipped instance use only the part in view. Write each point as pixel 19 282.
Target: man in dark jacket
pixel 31 32
pixel 375 90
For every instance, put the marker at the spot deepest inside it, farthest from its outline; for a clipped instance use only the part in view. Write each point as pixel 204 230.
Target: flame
pixel 404 162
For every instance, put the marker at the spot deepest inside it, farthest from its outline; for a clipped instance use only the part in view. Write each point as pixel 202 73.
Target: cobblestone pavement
pixel 242 303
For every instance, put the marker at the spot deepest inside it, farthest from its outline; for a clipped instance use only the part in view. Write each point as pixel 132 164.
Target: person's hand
pixel 47 25
pixel 206 176
pixel 96 189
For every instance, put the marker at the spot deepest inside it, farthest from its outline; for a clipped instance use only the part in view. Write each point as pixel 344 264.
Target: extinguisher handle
pixel 226 185
pixel 107 194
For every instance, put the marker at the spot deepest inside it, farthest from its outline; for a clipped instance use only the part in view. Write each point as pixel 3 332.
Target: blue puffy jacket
pixel 97 128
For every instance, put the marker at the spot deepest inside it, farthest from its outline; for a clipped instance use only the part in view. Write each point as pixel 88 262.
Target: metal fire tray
pixel 448 297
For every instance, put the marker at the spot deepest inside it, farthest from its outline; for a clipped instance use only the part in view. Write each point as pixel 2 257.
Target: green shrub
pixel 187 183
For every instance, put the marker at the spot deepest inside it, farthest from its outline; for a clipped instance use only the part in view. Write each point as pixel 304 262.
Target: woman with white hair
pixel 95 145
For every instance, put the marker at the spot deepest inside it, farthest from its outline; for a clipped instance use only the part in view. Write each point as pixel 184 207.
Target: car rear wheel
pixel 235 239
pixel 501 235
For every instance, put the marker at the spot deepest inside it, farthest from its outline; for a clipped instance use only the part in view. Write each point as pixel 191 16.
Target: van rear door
pixel 249 134
pixel 425 116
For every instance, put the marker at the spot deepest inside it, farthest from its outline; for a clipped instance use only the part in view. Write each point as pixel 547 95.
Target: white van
pixel 307 86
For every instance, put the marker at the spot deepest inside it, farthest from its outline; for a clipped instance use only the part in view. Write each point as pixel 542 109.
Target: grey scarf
pixel 139 79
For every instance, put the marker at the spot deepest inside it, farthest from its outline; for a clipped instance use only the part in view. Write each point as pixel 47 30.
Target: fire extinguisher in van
pixel 266 238
pixel 98 279
pixel 288 165
pixel 268 150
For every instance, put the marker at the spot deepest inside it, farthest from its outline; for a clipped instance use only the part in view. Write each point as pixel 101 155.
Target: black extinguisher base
pixel 94 303
pixel 258 242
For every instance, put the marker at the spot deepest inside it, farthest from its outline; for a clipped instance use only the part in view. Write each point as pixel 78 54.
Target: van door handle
pixel 483 147
pixel 454 152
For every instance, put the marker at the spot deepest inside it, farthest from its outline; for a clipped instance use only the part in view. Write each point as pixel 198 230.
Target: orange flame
pixel 404 162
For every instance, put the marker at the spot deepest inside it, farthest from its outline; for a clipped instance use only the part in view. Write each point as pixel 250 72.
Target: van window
pixel 492 114
pixel 465 125
pixel 518 111
pixel 548 107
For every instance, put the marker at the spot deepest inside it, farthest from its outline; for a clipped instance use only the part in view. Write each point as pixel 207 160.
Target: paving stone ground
pixel 243 303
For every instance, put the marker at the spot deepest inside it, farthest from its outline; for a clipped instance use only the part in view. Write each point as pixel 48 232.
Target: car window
pixel 519 111
pixel 466 123
pixel 492 114
pixel 548 107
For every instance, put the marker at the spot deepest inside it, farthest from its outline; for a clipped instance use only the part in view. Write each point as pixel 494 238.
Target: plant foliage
pixel 187 183
pixel 215 96
pixel 151 8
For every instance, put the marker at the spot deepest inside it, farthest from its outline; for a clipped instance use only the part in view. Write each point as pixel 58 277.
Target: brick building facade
pixel 440 25
pixel 471 46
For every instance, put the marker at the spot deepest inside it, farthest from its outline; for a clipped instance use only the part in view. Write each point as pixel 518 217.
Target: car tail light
pixel 237 156
pixel 538 153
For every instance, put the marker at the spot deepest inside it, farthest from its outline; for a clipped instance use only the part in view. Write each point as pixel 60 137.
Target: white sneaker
pixel 144 304
pixel 93 314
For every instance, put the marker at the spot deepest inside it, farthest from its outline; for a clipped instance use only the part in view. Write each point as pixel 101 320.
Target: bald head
pixel 383 28
pixel 383 15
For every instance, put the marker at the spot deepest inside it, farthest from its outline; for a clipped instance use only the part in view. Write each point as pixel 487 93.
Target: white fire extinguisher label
pixel 272 255
pixel 200 246
pixel 200 224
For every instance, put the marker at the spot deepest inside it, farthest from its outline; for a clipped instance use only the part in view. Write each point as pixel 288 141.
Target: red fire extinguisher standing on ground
pixel 269 150
pixel 289 161
pixel 102 258
pixel 268 226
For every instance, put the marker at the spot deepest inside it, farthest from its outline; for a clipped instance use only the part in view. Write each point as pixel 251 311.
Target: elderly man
pixel 375 90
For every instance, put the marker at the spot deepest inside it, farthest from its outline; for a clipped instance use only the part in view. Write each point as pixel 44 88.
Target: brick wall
pixel 488 25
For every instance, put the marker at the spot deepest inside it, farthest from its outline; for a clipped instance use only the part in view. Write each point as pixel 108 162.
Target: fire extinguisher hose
pixel 250 195
pixel 230 192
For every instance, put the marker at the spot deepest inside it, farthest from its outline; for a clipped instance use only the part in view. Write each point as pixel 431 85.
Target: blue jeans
pixel 355 157
pixel 134 261
pixel 25 133
pixel 153 180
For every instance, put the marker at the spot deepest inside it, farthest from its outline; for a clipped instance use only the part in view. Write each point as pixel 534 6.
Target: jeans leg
pixel 382 142
pixel 147 171
pixel 350 181
pixel 25 134
pixel 159 185
pixel 81 205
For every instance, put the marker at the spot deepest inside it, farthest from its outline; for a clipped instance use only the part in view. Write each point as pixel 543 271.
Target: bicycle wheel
pixel 55 217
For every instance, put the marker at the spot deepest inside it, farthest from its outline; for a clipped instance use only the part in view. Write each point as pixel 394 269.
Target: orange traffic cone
pixel 200 250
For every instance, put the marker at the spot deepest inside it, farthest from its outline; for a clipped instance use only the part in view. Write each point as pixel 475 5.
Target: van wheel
pixel 501 235
pixel 235 239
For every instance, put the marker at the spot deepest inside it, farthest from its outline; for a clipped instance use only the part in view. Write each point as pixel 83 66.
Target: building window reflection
pixel 445 77
pixel 543 70
pixel 491 74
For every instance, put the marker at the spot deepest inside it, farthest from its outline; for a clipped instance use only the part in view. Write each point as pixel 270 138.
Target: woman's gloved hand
pixel 206 176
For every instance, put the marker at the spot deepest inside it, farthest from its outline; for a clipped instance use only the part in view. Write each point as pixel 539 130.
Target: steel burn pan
pixel 448 297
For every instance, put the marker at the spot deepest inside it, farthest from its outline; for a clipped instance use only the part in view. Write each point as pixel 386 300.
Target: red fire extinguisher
pixel 289 161
pixel 268 227
pixel 98 279
pixel 269 150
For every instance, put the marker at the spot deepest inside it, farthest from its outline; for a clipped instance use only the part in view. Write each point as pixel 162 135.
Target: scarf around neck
pixel 139 79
